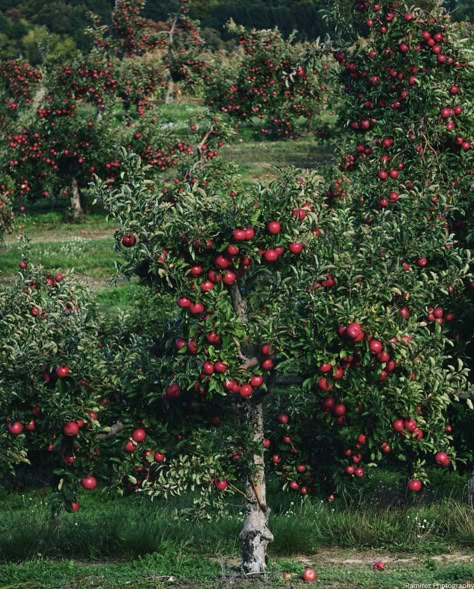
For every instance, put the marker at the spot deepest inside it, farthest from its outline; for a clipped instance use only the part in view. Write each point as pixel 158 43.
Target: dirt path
pixel 347 557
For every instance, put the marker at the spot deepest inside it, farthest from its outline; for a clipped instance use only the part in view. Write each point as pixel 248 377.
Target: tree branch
pixel 116 428
pixel 238 303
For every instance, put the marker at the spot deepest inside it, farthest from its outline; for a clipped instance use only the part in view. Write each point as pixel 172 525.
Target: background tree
pixel 273 86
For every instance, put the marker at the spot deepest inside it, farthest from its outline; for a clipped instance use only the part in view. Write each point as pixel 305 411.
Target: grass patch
pixel 170 568
pixel 81 254
pixel 257 160
pixel 114 527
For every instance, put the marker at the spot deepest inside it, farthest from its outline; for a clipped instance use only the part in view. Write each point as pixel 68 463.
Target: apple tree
pixel 52 378
pixel 407 103
pixel 274 86
pixel 294 327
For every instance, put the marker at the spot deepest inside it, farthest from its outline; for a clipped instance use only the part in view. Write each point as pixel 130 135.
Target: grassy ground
pixel 168 569
pixel 129 541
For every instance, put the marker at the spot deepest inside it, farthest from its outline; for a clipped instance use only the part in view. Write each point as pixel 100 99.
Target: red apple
pixel 414 485
pixel 62 371
pixel 309 575
pixel 139 434
pixel 273 227
pixel 71 428
pixel 89 482
pixel 15 428
pixel 220 485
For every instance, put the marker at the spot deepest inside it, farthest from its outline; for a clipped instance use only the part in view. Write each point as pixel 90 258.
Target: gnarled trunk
pixel 76 206
pixel 255 535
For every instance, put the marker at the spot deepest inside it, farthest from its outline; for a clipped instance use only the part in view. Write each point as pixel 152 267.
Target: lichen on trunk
pixel 255 535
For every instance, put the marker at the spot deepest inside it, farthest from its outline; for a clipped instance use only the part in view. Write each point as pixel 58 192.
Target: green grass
pixel 114 527
pixel 257 160
pixel 94 258
pixel 171 568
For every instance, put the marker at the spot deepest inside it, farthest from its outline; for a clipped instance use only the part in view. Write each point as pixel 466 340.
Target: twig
pixel 237 490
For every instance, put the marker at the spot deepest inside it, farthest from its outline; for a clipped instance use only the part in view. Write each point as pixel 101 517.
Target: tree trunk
pixel 170 96
pixel 76 206
pixel 255 535
pixel 470 489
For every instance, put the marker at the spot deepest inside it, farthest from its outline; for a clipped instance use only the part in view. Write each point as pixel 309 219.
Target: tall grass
pixel 131 527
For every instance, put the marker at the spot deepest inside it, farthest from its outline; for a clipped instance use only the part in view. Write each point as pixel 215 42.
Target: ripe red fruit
pixel 270 255
pixel 294 486
pixel 15 428
pixel 283 418
pixel 414 485
pixel 130 446
pixel 410 424
pixel 378 566
pixel 173 391
pixel 375 346
pixel 359 472
pixel 62 371
pixel 220 485
pixel 266 443
pixel 139 434
pixel 339 410
pixel 220 367
pixel 398 425
pixel 295 248
pixel 159 457
pixel 267 364
pixel 229 277
pixel 354 330
pixel 404 312
pixel 207 286
pixel 256 381
pixel 309 575
pixel 71 428
pixel 245 390
pixel 328 403
pixel 442 459
pixel 422 262
pixel 89 483
pixel 266 350
pixel 273 227
pixel 239 235
pixel 22 264
pixel 362 439
pixel 232 250
pixel 208 368
pixel 129 240
pixel 299 214
pixel 249 233
pixel 30 426
pixel 183 302
pixel 350 469
pixel 276 459
pixel 324 384
pixel 196 308
pixel 222 262
pixel 385 447
pixel 74 506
